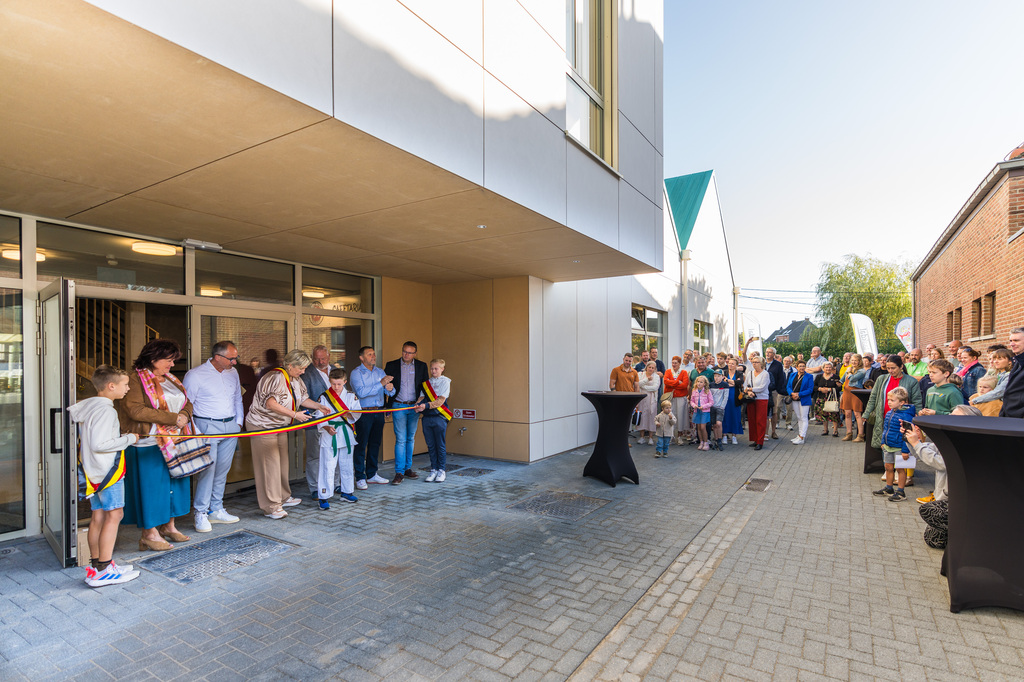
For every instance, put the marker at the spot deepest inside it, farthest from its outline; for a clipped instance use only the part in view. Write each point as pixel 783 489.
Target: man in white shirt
pixel 687 363
pixel 816 361
pixel 216 396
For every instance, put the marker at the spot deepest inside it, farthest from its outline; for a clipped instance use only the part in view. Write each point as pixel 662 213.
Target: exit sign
pixel 465 414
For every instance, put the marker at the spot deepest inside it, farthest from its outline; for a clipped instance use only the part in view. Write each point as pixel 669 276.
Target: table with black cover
pixel 872 456
pixel 611 460
pixel 984 558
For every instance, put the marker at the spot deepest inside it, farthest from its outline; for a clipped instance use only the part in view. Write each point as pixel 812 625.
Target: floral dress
pixel 817 408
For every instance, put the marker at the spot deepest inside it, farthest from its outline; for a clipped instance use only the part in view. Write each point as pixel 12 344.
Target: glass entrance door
pixel 57 394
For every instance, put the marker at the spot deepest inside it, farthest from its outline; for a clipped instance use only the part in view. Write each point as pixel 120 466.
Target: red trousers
pixel 757 420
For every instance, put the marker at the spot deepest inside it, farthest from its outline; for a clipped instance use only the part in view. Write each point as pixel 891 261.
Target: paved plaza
pixel 687 576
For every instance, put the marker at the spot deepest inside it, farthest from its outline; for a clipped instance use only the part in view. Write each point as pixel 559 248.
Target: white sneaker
pixel 291 502
pixel 378 479
pixel 734 440
pixel 221 516
pixel 111 575
pixel 277 515
pixel 361 484
pixel 432 477
pixel 440 476
pixel 797 441
pixel 202 523
pixel 789 426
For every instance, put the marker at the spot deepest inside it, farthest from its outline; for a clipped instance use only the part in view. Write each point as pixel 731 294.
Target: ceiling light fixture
pixel 575 261
pixel 211 291
pixel 309 293
pixel 481 227
pixel 15 254
pixel 154 249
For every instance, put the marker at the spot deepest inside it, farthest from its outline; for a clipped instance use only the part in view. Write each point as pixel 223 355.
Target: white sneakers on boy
pixel 378 479
pixel 221 516
pixel 440 476
pixel 361 484
pixel 432 477
pixel 202 522
pixel 111 575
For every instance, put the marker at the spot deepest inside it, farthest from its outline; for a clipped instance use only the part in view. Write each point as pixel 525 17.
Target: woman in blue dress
pixel 732 425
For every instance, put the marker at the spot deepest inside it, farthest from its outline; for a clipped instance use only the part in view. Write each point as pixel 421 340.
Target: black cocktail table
pixel 872 456
pixel 984 559
pixel 611 460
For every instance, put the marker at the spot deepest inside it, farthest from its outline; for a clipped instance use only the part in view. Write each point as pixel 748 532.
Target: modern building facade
pixel 482 177
pixel 968 288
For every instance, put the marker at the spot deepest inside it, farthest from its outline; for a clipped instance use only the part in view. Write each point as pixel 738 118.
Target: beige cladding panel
pixel 512 442
pixel 512 351
pixel 405 316
pixel 464 337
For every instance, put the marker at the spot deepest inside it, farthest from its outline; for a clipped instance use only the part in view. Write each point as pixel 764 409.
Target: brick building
pixel 969 286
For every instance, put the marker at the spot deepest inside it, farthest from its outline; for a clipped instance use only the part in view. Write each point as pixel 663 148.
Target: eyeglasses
pixel 231 360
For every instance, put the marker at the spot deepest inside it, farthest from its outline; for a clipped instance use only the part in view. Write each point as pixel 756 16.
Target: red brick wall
pixel 976 262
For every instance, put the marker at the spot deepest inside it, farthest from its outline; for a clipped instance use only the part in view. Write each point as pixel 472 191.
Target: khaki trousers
pixel 270 468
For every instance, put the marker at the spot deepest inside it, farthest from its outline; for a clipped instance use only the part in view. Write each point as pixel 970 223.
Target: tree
pixel 870 286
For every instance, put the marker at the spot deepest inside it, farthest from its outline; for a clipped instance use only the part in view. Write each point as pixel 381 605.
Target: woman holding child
pixel 154 408
pixel 649 384
pixel 677 380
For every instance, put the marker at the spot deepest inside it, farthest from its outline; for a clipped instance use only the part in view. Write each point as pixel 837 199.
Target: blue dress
pixel 733 422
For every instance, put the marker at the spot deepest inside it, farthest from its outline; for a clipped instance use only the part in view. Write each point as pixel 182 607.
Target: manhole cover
pixel 473 471
pixel 213 557
pixel 569 506
pixel 758 485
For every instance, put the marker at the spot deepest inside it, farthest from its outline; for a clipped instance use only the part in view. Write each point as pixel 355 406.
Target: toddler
pixel 664 423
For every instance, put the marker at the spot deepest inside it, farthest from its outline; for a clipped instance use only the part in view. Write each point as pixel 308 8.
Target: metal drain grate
pixel 474 472
pixel 213 557
pixel 758 485
pixel 569 506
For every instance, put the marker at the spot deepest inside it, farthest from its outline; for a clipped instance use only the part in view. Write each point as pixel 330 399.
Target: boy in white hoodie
pixel 102 461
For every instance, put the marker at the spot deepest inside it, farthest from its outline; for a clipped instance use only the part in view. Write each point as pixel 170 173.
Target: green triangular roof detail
pixel 685 195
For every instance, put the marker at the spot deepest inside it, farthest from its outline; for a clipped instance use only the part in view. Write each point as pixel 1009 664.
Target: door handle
pixel 54 411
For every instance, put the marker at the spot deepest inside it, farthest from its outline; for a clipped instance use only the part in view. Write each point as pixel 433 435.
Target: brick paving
pixel 686 576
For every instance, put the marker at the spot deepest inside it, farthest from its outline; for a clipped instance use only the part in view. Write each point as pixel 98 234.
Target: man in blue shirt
pixel 371 385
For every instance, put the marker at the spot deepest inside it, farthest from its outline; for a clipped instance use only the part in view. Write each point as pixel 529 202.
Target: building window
pixel 949 326
pixel 702 332
pixel 988 314
pixel 648 329
pixel 589 86
pixel 958 316
pixel 975 318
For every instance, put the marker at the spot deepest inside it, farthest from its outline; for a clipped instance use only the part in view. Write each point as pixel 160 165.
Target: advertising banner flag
pixel 864 333
pixel 752 330
pixel 905 332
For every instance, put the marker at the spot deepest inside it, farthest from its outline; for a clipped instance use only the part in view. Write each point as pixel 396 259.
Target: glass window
pixel 12 449
pixel 336 291
pixel 588 55
pixel 221 275
pixel 10 246
pixel 109 260
pixel 702 336
pixel 342 336
pixel 648 326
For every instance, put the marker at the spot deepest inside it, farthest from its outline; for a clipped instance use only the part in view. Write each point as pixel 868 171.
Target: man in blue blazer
pixel 408 376
pixel 315 378
pixel 801 391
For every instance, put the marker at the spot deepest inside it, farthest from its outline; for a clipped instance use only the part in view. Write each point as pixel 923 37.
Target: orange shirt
pixel 625 380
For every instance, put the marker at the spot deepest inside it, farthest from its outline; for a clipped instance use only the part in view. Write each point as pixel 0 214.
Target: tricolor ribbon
pixel 115 474
pixel 443 410
pixel 286 429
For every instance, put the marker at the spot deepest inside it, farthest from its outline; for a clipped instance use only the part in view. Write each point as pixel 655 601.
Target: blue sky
pixel 838 128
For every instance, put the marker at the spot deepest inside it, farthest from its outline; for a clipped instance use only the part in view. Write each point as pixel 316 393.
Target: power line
pixel 776 300
pixel 890 292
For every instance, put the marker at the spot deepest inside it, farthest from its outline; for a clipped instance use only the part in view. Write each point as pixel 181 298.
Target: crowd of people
pixel 132 437
pixel 702 399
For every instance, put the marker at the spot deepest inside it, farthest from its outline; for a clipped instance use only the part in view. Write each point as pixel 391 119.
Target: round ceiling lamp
pixel 154 249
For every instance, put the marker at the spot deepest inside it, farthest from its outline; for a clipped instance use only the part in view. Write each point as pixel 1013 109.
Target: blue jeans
pixel 663 442
pixel 369 434
pixel 434 429
pixel 211 481
pixel 405 424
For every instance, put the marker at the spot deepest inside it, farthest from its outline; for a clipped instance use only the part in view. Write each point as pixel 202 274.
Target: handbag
pixel 832 404
pixel 191 455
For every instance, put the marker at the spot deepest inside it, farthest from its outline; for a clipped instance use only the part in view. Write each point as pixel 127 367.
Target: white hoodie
pixel 100 435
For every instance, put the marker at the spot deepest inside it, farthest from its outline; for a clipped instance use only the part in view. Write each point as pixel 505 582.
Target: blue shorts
pixel 700 417
pixel 108 499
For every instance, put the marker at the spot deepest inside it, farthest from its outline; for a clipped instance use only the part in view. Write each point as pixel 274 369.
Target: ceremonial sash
pixel 341 408
pixel 115 474
pixel 291 391
pixel 443 410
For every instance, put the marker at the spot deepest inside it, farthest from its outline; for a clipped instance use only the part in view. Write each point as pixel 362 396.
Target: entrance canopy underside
pixel 106 124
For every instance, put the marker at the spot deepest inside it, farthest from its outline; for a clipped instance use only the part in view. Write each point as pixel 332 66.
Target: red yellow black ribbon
pixel 285 429
pixel 443 410
pixel 115 474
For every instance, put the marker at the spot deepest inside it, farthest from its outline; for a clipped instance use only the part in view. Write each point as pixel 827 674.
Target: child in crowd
pixel 989 408
pixel 436 416
pixel 337 439
pixel 102 461
pixel 899 416
pixel 664 424
pixel 720 396
pixel 942 396
pixel 701 400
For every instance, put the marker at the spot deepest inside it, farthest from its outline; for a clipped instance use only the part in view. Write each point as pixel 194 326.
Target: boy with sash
pixel 102 461
pixel 436 416
pixel 337 439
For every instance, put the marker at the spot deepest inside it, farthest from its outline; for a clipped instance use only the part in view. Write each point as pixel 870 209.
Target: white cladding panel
pixel 283 45
pixel 639 23
pixel 561 344
pixel 592 351
pixel 640 234
pixel 550 16
pixel 460 21
pixel 638 161
pixel 560 435
pixel 592 197
pixel 409 86
pixel 521 54
pixel 524 154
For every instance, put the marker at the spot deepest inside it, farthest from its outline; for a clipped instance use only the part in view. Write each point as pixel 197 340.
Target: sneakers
pixel 324 504
pixel 898 496
pixel 377 479
pixel 432 476
pixel 291 502
pixel 90 571
pixel 111 575
pixel 734 442
pixel 930 497
pixel 440 476
pixel 202 523
pixel 279 514
pixel 884 491
pixel 221 516
pixel 397 479
pixel 797 441
pixel 349 497
pixel 789 427
pixel 361 484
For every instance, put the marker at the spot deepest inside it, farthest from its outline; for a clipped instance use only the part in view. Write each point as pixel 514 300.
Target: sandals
pixel 154 545
pixel 174 537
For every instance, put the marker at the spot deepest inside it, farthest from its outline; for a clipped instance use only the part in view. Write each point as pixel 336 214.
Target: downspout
pixel 684 292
